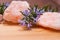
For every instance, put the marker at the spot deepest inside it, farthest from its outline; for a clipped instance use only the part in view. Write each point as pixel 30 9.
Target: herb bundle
pixel 31 15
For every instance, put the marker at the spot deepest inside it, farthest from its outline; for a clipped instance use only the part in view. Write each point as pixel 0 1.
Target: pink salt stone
pixel 50 19
pixel 12 13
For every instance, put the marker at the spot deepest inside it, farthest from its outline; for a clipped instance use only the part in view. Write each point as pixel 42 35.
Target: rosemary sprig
pixel 3 7
pixel 32 14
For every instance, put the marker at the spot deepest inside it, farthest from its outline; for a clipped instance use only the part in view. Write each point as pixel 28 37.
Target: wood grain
pixel 14 32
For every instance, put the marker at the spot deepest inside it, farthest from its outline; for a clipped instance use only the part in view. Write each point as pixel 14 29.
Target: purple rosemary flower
pixel 29 25
pixel 35 19
pixel 7 4
pixel 22 22
pixel 40 12
pixel 26 12
pixel 34 9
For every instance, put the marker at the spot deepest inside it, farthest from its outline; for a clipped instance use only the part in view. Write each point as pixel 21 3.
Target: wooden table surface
pixel 14 32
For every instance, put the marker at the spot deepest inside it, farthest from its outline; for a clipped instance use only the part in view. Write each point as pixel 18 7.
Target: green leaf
pixel 2 8
pixel 22 13
pixel 34 14
pixel 36 6
pixel 55 10
pixel 45 8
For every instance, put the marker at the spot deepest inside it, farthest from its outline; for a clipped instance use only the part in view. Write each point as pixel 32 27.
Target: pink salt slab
pixel 12 13
pixel 50 19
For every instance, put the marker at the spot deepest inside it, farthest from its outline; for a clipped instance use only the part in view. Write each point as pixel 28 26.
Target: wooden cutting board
pixel 14 32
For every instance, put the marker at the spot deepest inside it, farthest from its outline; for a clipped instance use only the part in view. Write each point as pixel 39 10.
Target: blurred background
pixel 53 3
